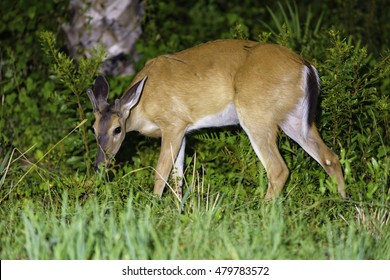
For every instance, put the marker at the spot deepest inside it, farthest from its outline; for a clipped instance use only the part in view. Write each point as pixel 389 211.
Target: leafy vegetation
pixel 53 207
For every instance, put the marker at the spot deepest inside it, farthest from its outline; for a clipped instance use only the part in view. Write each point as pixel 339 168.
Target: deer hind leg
pixel 263 140
pixel 172 152
pixel 315 147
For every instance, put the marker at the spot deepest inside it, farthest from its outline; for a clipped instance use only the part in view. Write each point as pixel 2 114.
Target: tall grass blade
pixel 2 167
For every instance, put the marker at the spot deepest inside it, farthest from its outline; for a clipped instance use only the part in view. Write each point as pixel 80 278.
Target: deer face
pixel 110 119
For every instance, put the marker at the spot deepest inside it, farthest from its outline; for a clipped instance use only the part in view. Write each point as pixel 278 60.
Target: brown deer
pixel 226 82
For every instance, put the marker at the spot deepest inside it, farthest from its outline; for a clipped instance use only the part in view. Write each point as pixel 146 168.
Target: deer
pixel 261 87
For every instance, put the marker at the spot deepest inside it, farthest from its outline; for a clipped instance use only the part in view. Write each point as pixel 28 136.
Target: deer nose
pixel 100 158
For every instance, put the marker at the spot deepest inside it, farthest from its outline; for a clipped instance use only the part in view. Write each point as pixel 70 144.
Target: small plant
pixel 356 109
pixel 75 77
pixel 293 32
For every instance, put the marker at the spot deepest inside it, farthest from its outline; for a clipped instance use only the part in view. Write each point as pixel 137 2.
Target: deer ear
pixel 99 94
pixel 132 96
pixel 101 88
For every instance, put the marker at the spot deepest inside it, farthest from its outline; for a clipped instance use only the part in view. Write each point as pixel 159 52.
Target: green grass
pixel 91 217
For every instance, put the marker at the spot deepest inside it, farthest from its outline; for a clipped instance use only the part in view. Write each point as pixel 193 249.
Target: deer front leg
pixel 172 141
pixel 178 169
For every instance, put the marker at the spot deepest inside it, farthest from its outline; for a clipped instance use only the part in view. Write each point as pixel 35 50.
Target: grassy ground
pixel 92 217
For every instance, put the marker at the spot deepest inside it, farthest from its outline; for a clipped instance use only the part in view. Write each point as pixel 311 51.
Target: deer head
pixel 110 119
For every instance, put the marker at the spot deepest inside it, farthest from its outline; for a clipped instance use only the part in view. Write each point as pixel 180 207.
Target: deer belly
pixel 227 116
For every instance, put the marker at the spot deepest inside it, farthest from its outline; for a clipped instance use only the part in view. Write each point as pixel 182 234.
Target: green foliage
pixel 201 21
pixel 76 79
pixel 356 108
pixel 227 157
pixel 292 32
pixel 23 77
pixel 366 21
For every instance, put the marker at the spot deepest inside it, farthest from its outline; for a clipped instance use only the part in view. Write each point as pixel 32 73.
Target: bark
pixel 116 24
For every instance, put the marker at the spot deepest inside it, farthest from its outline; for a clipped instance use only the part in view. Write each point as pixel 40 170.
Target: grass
pixel 82 217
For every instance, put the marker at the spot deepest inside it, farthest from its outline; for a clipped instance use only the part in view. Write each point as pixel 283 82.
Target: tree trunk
pixel 115 24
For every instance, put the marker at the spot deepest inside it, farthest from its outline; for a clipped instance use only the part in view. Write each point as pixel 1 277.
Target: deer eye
pixel 117 130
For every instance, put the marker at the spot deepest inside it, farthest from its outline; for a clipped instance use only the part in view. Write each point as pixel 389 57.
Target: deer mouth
pixel 102 158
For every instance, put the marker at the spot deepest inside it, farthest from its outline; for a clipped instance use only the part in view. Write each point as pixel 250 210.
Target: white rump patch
pixel 295 125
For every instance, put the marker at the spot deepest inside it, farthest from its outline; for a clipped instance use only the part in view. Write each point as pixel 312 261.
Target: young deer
pixel 220 83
